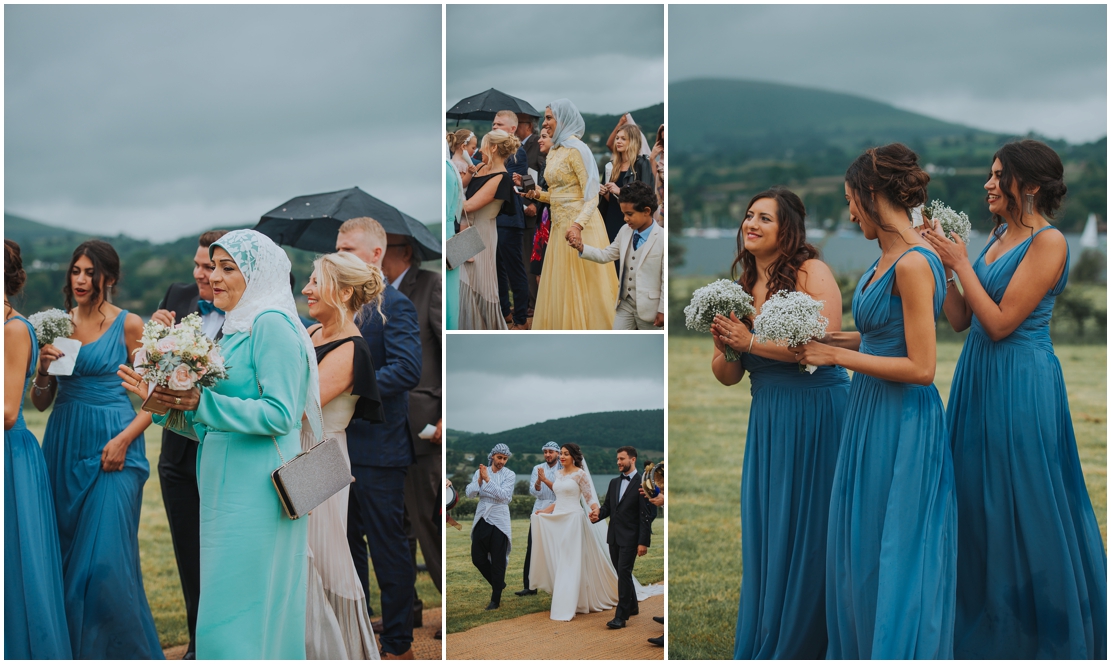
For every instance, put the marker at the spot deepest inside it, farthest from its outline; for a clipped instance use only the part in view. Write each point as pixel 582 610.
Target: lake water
pixel 845 253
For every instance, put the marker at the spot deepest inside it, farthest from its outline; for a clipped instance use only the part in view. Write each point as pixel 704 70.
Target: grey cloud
pixel 1000 67
pixel 605 58
pixel 118 113
pixel 558 356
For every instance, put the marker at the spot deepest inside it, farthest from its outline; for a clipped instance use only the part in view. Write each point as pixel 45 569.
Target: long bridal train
pixel 570 557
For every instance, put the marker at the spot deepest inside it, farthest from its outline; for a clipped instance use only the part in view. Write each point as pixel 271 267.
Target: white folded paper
pixel 427 432
pixel 63 366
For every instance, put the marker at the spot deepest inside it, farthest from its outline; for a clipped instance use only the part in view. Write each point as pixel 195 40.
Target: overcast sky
pixel 497 382
pixel 1005 68
pixel 160 121
pixel 604 58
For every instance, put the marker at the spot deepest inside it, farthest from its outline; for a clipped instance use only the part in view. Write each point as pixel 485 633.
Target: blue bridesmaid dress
pixel 892 550
pixel 34 613
pixel 1031 568
pixel 98 512
pixel 794 431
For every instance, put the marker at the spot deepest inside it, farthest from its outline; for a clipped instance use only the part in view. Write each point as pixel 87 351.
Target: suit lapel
pixel 651 239
pixel 629 489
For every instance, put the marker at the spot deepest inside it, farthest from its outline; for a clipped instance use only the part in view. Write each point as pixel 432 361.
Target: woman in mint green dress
pixel 253 557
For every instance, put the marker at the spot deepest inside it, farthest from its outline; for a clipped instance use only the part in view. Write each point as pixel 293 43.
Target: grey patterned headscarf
pixel 500 448
pixel 550 445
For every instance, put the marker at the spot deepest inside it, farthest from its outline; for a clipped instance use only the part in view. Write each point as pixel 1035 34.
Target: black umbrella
pixel 312 222
pixel 485 105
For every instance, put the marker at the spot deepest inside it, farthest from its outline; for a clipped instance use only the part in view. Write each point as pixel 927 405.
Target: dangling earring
pixel 1029 209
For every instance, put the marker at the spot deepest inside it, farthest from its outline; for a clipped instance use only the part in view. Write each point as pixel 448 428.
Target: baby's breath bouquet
pixel 50 325
pixel 791 318
pixel 720 297
pixel 949 220
pixel 180 358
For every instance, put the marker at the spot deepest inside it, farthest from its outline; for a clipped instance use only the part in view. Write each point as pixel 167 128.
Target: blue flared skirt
pixel 1031 568
pixel 892 547
pixel 34 611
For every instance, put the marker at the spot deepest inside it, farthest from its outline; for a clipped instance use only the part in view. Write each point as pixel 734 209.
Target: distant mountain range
pixel 147 268
pixel 708 114
pixel 733 138
pixel 598 434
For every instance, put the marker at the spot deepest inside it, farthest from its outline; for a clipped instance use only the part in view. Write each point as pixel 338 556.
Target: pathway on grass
pixel 536 636
pixel 425 645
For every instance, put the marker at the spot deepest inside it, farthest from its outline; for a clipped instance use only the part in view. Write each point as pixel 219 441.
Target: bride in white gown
pixel 568 559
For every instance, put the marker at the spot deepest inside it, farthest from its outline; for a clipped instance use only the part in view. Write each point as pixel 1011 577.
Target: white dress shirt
pixel 493 500
pixel 625 484
pixel 545 496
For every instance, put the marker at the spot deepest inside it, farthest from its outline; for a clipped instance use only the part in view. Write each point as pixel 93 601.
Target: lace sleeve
pixel 586 489
pixel 589 205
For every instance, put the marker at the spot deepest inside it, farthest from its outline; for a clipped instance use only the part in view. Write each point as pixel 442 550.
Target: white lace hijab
pixel 266 269
pixel 570 127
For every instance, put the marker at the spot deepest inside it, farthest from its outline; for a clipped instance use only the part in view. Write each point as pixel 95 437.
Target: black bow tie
pixel 626 478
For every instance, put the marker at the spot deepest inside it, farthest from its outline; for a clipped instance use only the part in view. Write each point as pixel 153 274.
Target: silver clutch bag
pixel 311 477
pixel 463 246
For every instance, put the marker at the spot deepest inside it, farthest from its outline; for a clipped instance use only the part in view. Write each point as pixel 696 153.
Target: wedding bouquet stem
pixel 722 297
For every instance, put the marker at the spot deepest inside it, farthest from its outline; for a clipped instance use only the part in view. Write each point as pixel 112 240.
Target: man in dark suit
pixel 382 453
pixel 530 143
pixel 511 231
pixel 422 484
pixel 630 531
pixel 177 462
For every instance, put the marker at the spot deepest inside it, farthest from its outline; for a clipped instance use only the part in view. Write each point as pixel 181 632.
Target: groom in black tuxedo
pixel 630 530
pixel 177 462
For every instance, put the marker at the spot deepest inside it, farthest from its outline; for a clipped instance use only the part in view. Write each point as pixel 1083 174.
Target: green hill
pixel 733 138
pixel 147 268
pixel 598 434
pixel 709 114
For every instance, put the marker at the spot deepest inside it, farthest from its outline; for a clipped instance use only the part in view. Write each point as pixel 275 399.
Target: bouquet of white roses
pixel 50 325
pixel 949 220
pixel 720 297
pixel 180 358
pixel 790 318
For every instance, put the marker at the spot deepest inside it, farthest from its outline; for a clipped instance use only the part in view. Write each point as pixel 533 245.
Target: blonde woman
pixel 574 294
pixel 462 144
pixel 489 194
pixel 628 165
pixel 336 619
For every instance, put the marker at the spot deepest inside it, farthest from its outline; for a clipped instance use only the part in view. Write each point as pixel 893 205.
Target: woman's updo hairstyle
pixel 106 264
pixel 1030 163
pixel 501 143
pixel 576 454
pixel 891 171
pixel 341 270
pixel 14 276
pixel 457 139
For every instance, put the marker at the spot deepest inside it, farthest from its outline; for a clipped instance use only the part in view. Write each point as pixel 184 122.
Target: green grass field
pixel 707 422
pixel 468 593
pixel 156 549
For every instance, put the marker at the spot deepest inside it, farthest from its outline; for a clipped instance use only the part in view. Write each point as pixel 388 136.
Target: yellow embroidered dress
pixel 574 294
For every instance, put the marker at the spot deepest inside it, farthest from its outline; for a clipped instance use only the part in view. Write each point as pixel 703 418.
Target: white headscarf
pixel 570 127
pixel 266 269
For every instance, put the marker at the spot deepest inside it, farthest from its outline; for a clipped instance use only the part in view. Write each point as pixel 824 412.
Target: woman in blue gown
pixel 794 429
pixel 34 613
pixel 96 458
pixel 254 559
pixel 891 554
pixel 1031 567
